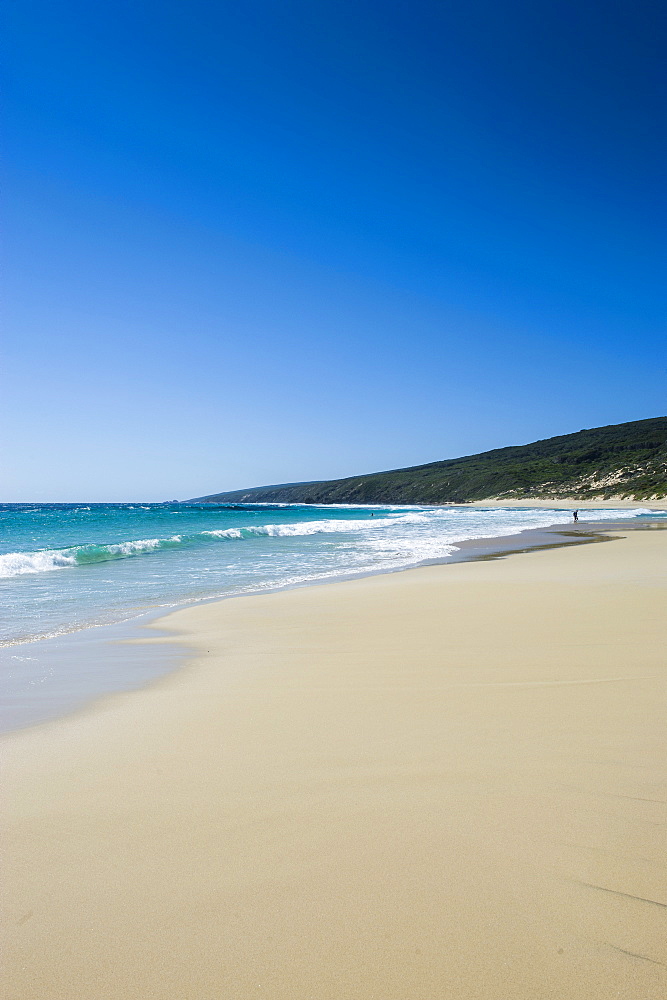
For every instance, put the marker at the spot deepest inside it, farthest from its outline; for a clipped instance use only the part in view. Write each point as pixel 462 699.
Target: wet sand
pixel 443 783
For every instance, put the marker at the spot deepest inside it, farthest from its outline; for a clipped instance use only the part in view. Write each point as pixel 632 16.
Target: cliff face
pixel 626 460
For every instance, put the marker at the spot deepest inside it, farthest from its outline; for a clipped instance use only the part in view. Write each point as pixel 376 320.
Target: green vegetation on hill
pixel 621 460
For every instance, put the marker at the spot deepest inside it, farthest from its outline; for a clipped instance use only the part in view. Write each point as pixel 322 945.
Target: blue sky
pixel 253 242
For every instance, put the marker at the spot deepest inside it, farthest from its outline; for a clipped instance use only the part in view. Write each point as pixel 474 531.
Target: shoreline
pixel 571 503
pixel 443 783
pixel 133 638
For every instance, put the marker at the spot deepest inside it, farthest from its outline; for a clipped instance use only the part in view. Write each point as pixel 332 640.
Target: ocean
pixel 68 569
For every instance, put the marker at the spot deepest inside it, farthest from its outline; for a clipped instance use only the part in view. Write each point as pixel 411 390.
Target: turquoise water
pixel 66 567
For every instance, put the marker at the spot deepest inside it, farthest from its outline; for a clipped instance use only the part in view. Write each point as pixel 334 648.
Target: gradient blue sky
pixel 253 242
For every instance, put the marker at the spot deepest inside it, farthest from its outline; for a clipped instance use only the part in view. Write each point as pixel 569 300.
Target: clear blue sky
pixel 273 240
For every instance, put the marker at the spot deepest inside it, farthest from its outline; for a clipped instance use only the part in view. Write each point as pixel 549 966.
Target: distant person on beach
pixel 575 515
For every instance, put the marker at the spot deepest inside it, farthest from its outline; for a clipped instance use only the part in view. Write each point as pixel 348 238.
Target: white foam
pixel 140 545
pixel 47 560
pixel 223 533
pixel 19 563
pixel 404 536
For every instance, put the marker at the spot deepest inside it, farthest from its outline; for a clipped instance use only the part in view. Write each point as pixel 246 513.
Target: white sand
pixel 568 503
pixel 445 783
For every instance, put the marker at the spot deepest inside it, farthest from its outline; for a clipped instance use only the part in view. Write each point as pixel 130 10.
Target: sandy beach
pixel 568 503
pixel 442 783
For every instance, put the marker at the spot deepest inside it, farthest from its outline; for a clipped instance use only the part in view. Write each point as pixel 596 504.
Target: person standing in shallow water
pixel 575 515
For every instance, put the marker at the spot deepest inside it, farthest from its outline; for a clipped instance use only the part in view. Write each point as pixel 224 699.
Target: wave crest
pixel 431 536
pixel 46 560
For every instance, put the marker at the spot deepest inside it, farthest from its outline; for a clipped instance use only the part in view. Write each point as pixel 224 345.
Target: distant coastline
pixel 619 462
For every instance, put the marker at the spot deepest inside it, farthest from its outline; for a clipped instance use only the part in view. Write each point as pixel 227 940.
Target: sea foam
pixel 117 560
pixel 410 533
pixel 47 560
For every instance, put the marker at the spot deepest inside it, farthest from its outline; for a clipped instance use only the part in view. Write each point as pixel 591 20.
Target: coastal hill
pixel 620 460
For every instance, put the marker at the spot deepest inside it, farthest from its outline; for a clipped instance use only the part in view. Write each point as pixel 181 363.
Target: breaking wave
pixel 46 560
pixel 430 534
